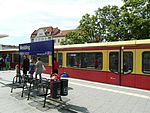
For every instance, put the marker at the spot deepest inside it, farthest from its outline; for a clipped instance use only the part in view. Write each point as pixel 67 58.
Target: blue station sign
pixel 37 48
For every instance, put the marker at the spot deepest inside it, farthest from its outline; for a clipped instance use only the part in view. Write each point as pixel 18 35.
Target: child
pixel 17 71
pixel 31 69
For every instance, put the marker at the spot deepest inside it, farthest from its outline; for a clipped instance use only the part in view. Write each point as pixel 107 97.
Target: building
pixel 58 38
pixel 44 33
pixel 49 33
pixel 5 47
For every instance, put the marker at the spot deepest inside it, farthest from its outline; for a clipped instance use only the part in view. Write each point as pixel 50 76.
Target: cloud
pixel 19 18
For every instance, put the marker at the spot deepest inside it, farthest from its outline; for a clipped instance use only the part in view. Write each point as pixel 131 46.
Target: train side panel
pixel 142 78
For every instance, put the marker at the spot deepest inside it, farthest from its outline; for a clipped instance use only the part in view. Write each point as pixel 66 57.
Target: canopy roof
pixel 3 35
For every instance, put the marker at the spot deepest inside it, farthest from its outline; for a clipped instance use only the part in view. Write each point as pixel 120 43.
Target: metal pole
pixel 120 63
pixel 52 56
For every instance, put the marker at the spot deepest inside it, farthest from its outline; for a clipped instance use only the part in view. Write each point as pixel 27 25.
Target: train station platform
pixel 83 97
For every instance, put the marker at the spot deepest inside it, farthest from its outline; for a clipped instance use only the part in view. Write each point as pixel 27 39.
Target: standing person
pixel 96 64
pixel 7 62
pixel 25 65
pixel 56 66
pixel 1 63
pixel 39 68
pixel 31 69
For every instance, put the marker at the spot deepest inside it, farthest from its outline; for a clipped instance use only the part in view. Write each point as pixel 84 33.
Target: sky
pixel 19 18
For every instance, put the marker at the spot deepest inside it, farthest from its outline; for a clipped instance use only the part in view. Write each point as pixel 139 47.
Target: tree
pixel 108 22
pixel 87 28
pixel 131 21
pixel 136 16
pixel 73 38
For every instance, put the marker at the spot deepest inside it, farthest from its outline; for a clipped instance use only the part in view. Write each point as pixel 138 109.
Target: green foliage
pixel 137 18
pixel 131 21
pixel 87 28
pixel 108 20
pixel 73 38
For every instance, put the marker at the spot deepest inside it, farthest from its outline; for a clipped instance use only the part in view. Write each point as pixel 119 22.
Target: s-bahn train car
pixel 13 54
pixel 124 63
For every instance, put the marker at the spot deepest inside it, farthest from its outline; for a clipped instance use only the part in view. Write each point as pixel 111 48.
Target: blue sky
pixel 19 18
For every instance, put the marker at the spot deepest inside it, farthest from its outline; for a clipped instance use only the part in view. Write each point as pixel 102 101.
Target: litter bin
pixel 64 87
pixel 55 89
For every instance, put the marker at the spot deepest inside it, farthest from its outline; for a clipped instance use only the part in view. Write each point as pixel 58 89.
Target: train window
pixel 55 55
pixel 59 58
pixel 73 60
pixel 127 61
pixel 146 62
pixel 44 58
pixel 114 61
pixel 16 58
pixel 85 60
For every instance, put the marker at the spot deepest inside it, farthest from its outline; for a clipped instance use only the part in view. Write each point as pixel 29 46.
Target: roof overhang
pixel 3 35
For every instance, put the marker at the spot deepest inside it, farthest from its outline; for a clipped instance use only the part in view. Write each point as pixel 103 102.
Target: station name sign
pixel 25 47
pixel 37 48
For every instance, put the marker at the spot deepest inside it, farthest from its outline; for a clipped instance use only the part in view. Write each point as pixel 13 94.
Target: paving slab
pixel 83 97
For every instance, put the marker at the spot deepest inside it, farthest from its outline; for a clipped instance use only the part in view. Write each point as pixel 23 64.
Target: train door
pixel 113 76
pixel 127 67
pixel 121 67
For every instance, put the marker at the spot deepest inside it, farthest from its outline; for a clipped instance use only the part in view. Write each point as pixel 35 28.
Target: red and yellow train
pixel 125 63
